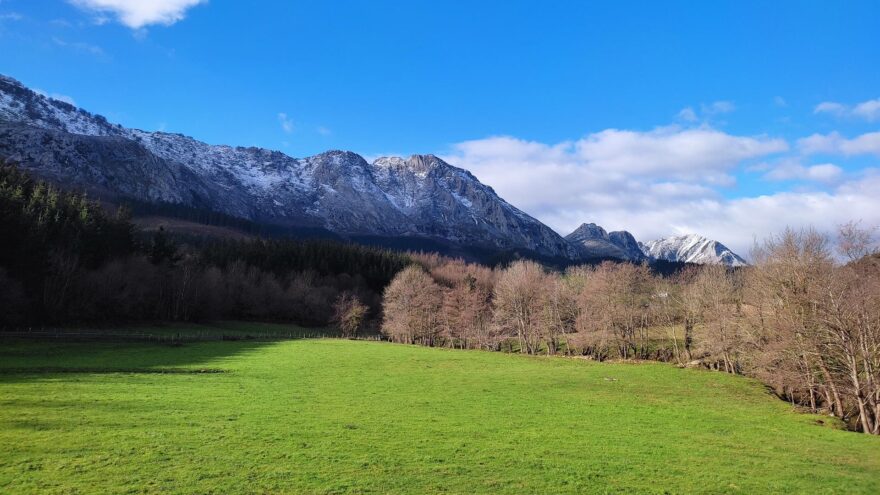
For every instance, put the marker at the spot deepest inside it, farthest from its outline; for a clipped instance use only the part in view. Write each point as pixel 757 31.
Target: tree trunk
pixel 688 337
pixel 835 395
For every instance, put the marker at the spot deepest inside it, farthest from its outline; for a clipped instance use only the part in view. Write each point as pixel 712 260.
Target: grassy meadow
pixel 170 332
pixel 335 416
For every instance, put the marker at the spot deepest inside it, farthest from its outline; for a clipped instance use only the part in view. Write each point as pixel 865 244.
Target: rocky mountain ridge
pixel 419 197
pixel 416 198
pixel 619 244
pixel 691 248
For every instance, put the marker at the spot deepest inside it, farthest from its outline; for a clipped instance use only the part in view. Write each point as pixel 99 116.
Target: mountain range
pixel 415 201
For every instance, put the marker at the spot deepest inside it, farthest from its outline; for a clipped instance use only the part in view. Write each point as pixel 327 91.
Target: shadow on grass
pixel 174 332
pixel 22 360
pixel 157 371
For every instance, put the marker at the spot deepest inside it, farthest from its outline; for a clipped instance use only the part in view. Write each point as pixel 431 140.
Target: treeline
pixel 804 324
pixel 206 216
pixel 64 259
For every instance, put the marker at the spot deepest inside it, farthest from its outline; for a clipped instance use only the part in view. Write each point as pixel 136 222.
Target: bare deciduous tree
pixel 467 315
pixel 412 304
pixel 520 298
pixel 349 314
pixel 616 306
pixel 712 299
pixel 854 241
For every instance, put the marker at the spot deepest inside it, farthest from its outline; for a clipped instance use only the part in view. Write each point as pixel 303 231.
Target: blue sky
pixel 658 117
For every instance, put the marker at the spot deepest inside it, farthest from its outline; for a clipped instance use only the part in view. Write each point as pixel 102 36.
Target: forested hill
pixel 65 259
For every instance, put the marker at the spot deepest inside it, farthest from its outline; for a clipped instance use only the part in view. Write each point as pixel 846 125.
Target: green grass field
pixel 192 331
pixel 334 416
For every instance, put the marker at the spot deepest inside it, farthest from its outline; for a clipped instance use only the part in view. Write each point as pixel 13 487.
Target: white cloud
pixel 324 131
pixel 867 110
pixel 824 172
pixel 286 123
pixel 707 111
pixel 138 14
pixel 718 107
pixel 687 114
pixel 80 46
pixel 11 16
pixel 672 151
pixel 834 143
pixel 779 101
pixel 620 179
pixel 665 182
pixel 831 107
pixel 792 170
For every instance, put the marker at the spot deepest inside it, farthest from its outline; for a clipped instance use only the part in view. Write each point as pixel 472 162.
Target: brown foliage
pixel 350 314
pixel 616 309
pixel 412 304
pixel 520 298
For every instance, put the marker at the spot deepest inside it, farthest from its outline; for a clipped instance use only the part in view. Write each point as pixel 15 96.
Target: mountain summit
pixel 599 243
pixel 420 197
pixel 691 248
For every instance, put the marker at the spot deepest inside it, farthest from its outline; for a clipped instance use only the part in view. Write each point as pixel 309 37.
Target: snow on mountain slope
pixel 691 248
pixel 421 196
pixel 451 203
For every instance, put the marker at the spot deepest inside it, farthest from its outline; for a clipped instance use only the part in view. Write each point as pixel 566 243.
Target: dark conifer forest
pixel 64 259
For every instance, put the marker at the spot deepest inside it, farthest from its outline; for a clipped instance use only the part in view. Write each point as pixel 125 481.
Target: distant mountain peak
pixel 691 248
pixel 589 230
pixel 598 243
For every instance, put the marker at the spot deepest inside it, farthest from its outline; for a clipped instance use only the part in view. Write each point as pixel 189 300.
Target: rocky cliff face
pixel 421 196
pixel 601 244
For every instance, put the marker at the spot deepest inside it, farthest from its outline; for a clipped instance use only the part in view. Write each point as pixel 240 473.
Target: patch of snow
pixel 461 199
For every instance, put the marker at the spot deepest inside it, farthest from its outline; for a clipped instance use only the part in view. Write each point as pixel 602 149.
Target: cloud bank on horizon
pixel 676 180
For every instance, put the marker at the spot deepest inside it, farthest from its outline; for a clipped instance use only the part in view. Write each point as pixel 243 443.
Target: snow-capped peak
pixel 691 248
pixel 389 162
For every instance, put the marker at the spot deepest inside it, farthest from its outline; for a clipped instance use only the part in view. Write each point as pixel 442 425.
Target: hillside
pixel 417 198
pixel 333 416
